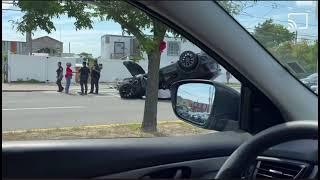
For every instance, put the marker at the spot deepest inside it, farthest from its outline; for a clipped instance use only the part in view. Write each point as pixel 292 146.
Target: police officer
pixel 59 77
pixel 95 76
pixel 84 75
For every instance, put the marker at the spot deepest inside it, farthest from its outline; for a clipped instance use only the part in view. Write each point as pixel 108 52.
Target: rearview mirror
pixel 206 104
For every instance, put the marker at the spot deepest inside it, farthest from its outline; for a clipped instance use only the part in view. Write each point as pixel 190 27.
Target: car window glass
pixel 287 29
pixel 43 99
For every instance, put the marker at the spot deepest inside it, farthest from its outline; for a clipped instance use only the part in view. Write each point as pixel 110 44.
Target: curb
pixel 35 90
pixel 26 90
pixel 85 126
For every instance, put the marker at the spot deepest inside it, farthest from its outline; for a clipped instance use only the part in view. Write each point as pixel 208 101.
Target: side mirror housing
pixel 206 104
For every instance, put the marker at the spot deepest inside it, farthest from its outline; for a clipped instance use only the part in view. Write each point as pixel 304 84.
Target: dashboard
pixel 292 160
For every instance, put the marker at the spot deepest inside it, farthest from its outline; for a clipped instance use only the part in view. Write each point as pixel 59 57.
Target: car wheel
pixel 188 61
pixel 127 91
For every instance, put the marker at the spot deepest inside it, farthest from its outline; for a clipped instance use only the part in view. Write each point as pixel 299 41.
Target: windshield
pixel 287 29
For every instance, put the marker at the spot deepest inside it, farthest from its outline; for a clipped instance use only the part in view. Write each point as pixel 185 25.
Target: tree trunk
pixel 29 43
pixel 149 123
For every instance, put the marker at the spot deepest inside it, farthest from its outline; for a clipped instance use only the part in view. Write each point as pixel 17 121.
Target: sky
pixel 196 92
pixel 89 40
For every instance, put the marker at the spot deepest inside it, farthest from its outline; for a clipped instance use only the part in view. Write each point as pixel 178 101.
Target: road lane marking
pixel 43 108
pixel 108 96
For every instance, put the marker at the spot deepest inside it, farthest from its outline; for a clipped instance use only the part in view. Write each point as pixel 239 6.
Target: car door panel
pixel 198 168
pixel 88 158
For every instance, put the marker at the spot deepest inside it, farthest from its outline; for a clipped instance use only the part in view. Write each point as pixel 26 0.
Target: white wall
pixel 39 68
pixel 114 70
pixel 42 68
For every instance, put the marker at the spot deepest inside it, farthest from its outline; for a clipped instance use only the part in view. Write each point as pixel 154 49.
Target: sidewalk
pixel 30 87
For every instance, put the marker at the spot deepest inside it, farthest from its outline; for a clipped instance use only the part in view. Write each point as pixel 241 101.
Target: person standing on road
pixel 59 77
pixel 228 76
pixel 84 75
pixel 68 77
pixel 95 76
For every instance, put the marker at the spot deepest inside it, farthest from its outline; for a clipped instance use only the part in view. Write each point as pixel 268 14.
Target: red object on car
pixel 163 46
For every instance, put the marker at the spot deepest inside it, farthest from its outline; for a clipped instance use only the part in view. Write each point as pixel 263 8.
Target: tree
pixel 47 50
pixel 134 21
pixel 148 31
pixel 87 57
pixel 304 52
pixel 4 56
pixel 271 34
pixel 281 43
pixel 236 7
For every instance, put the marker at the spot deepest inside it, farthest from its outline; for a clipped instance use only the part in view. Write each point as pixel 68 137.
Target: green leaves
pixel 280 42
pixel 236 7
pixel 271 34
pixel 148 31
pixel 39 14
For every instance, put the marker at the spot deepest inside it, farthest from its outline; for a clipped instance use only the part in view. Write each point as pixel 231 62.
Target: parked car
pixel 311 80
pixel 189 66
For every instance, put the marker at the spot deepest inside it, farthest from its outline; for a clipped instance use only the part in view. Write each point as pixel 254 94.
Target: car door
pixel 170 157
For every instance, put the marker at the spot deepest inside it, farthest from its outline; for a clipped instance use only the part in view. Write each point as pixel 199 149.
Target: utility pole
pixel 69 47
pixel 60 33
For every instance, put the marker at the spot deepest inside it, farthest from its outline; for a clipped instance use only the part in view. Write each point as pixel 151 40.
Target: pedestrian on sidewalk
pixel 84 72
pixel 59 77
pixel 68 77
pixel 95 76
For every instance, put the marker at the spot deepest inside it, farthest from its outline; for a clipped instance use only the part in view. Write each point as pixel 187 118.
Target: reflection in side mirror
pixel 194 102
pixel 206 104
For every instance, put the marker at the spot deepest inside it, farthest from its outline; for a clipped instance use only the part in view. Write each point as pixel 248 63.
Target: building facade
pixel 118 47
pixel 124 47
pixel 48 45
pixel 16 47
pixel 43 44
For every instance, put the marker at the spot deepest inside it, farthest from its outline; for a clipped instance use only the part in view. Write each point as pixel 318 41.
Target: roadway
pixel 29 110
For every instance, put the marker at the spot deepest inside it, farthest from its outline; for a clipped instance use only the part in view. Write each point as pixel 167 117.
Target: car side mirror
pixel 206 104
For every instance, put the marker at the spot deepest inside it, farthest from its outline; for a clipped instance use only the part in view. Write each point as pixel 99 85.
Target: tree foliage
pixel 39 14
pixel 236 7
pixel 304 52
pixel 47 50
pixel 272 34
pixel 281 43
pixel 88 58
pixel 4 56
